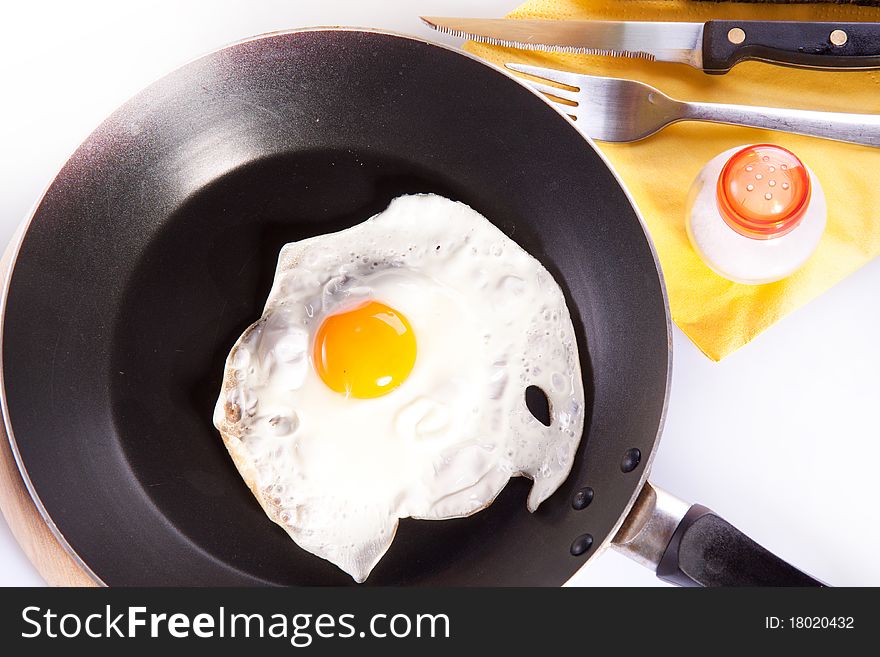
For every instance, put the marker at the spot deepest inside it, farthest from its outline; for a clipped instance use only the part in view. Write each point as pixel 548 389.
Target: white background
pixel 781 437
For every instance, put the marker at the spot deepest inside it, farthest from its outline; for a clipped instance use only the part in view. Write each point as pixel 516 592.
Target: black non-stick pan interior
pixel 155 247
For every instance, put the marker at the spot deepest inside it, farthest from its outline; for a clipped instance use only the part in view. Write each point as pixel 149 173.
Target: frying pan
pixel 155 245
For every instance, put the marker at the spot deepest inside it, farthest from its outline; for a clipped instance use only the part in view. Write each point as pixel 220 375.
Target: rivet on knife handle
pixel 830 45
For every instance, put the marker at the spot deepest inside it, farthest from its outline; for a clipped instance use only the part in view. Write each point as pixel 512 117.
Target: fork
pixel 613 109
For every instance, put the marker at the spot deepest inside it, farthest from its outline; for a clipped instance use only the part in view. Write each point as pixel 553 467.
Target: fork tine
pixel 563 77
pixel 546 89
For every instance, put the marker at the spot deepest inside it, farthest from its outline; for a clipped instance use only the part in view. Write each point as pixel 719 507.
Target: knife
pixel 714 46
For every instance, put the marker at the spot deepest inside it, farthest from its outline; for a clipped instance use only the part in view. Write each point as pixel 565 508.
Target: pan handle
pixel 690 545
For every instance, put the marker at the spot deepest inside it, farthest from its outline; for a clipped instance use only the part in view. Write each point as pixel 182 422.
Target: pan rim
pixel 14 246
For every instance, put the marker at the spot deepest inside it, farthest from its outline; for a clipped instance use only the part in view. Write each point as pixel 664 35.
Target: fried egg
pixel 386 379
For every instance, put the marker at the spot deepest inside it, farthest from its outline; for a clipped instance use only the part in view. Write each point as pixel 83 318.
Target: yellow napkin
pixel 720 316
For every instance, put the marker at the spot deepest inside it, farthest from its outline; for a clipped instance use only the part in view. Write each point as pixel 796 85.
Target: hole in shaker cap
pixel 763 191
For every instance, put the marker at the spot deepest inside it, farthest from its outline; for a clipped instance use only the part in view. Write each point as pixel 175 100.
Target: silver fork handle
pixel 861 129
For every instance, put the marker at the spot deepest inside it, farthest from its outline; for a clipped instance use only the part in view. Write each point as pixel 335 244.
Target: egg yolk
pixel 366 351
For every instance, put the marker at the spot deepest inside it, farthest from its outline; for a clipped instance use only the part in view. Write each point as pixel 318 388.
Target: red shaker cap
pixel 763 191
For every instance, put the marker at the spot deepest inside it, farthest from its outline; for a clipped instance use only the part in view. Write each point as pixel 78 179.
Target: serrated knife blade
pixel 663 41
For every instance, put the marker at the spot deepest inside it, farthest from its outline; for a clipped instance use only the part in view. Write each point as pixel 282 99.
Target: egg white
pixel 337 473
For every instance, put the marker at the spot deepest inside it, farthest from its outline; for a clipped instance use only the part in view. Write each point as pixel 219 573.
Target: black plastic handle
pixel 706 550
pixel 830 45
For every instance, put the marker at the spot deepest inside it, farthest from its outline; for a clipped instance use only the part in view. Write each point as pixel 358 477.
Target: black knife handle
pixel 829 45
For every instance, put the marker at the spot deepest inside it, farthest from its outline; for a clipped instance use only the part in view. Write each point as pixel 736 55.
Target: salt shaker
pixel 756 213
